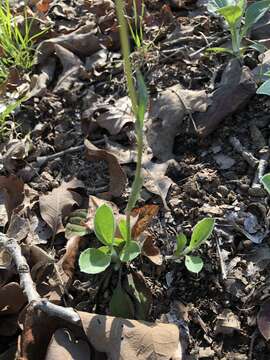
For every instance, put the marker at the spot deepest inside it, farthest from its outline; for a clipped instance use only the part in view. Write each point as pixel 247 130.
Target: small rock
pixel 224 161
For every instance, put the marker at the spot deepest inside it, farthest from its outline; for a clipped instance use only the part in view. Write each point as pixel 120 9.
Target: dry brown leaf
pixel 118 177
pixel 67 264
pixel 155 180
pixel 144 216
pixel 43 5
pixel 64 346
pixel 12 299
pixel 13 189
pixel 37 331
pixel 116 116
pixel 151 251
pixel 130 339
pixel 58 204
pixel 263 320
pixel 167 114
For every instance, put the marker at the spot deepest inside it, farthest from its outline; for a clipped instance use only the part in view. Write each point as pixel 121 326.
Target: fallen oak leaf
pixel 125 339
pixel 59 203
pixel 118 177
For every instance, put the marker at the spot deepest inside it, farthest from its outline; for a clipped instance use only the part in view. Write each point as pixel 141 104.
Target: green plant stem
pixel 123 29
pixel 137 183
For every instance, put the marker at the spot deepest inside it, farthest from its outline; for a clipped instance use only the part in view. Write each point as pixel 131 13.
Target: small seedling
pixel 114 250
pixel 16 44
pixel 201 232
pixel 137 31
pixel 239 19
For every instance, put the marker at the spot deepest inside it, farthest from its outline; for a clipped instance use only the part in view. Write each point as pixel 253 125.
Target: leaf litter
pixel 76 97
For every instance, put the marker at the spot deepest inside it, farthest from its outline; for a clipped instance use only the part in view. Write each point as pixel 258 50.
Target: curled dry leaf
pixel 144 216
pixel 13 189
pixel 125 339
pixel 151 251
pixel 58 204
pixel 117 176
pixel 263 320
pixel 64 346
pixel 155 180
pixel 116 116
pixel 66 265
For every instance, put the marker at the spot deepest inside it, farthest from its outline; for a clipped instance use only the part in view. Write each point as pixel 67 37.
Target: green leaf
pixel 130 251
pixel 141 295
pixel 193 263
pixel 142 98
pixel 220 50
pixel 121 304
pixel 122 225
pixel 214 5
pixel 181 241
pixel 76 224
pixel 231 13
pixel 258 47
pixel 254 13
pixel 264 89
pixel 94 261
pixel 265 180
pixel 201 232
pixel 104 224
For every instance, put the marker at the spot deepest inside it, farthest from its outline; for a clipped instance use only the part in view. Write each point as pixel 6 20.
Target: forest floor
pixel 201 107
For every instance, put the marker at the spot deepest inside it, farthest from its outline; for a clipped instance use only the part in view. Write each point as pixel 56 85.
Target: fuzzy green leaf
pixel 181 241
pixel 142 98
pixel 193 263
pixel 130 251
pixel 265 180
pixel 121 304
pixel 264 89
pixel 254 13
pixel 104 224
pixel 231 13
pixel 201 232
pixel 94 261
pixel 122 225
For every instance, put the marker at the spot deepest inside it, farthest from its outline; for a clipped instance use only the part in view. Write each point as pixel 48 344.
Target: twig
pixel 213 43
pixel 41 160
pixel 222 262
pixel 28 286
pixel 251 159
pixel 262 165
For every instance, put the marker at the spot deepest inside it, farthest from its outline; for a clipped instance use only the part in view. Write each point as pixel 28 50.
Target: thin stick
pixel 250 158
pixel 262 165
